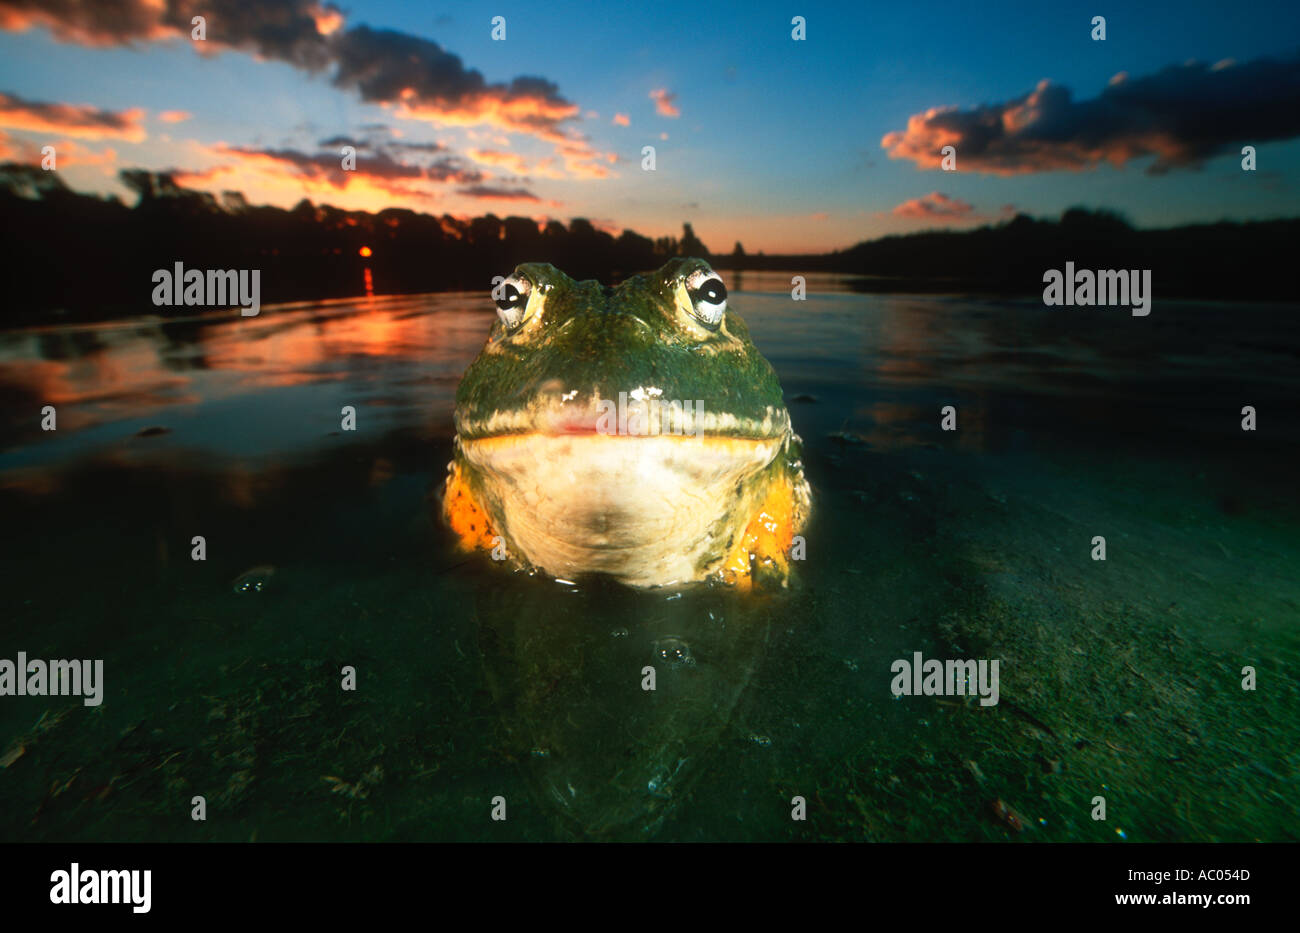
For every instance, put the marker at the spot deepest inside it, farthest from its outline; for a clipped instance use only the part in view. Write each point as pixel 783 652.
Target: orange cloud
pixel 175 116
pixel 934 204
pixel 510 161
pixel 273 184
pixel 71 153
pixel 621 119
pixel 579 161
pixel 66 153
pixel 287 175
pixel 527 115
pixel 665 104
pixel 328 21
pixel 80 120
pixel 587 170
pixel 18 150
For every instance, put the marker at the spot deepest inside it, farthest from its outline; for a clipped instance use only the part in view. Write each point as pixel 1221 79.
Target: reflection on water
pixel 232 386
pixel 601 746
pixel 322 551
pixel 243 386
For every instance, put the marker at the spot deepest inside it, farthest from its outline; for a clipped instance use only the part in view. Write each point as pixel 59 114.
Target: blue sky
pixel 776 143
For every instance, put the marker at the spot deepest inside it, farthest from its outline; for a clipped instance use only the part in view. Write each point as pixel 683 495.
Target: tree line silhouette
pixel 88 256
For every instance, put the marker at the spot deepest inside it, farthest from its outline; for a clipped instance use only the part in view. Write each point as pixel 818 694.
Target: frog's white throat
pixel 649 511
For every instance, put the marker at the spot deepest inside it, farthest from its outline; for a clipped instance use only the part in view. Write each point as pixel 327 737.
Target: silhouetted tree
pixel 93 256
pixel 666 246
pixel 691 245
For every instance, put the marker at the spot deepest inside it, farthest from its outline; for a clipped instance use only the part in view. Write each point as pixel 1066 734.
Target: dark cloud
pixel 387 146
pixel 382 65
pixel 293 31
pixel 70 119
pixel 414 147
pixel 327 166
pixel 113 23
pixel 488 192
pixel 452 169
pixel 334 142
pixel 1182 115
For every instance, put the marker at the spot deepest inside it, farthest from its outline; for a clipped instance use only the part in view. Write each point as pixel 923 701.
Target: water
pixel 1120 679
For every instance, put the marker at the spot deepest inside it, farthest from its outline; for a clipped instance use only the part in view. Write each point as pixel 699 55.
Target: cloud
pixel 401 146
pixel 299 32
pixel 80 120
pixel 499 194
pixel 98 24
pixel 621 119
pixel 378 181
pixel 510 161
pixel 328 166
pixel 337 142
pixel 414 76
pixel 323 165
pixel 385 146
pixel 934 204
pixel 452 169
pixel 67 153
pixel 664 103
pixel 175 116
pixel 71 153
pixel 18 150
pixel 1181 115
pixel 423 81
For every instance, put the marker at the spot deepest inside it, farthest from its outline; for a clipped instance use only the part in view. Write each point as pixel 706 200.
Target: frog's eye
pixel 708 296
pixel 511 296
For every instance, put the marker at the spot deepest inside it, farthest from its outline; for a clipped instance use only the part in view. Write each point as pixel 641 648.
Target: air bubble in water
pixel 673 651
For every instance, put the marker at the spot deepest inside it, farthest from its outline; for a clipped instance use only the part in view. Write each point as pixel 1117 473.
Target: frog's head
pixel 634 431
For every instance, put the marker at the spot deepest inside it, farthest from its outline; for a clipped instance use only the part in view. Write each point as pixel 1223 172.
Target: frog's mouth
pixel 637 414
pixel 594 457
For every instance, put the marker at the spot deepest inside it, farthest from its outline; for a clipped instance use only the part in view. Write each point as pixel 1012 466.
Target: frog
pixel 633 432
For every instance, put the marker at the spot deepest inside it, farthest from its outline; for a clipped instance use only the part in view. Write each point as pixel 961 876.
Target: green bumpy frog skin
pixel 632 431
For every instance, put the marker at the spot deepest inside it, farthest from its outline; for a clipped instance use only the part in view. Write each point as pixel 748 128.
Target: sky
pixel 787 146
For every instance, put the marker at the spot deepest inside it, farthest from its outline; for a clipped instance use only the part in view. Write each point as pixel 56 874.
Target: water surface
pixel 1119 678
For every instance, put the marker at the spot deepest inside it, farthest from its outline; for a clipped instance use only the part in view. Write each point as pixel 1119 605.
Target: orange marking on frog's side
pixel 765 542
pixel 465 516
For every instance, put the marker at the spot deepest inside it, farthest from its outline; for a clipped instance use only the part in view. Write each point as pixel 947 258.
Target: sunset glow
pixel 763 150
